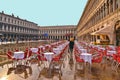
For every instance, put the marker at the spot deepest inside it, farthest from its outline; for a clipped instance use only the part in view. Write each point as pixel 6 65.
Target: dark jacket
pixel 71 44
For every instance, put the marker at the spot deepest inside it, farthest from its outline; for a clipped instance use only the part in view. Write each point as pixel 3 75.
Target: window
pixel 12 21
pixel 8 19
pixel 15 21
pixel 98 37
pixel 0 26
pixel 0 18
pixel 5 19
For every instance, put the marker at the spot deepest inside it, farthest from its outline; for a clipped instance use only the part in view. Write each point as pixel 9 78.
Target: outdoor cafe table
pixel 111 52
pixel 87 58
pixel 56 50
pixel 19 55
pixel 48 56
pixel 83 50
pixel 34 50
pixel 101 48
pixel 60 47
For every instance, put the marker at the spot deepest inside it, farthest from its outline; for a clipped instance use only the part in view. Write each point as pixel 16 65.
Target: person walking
pixel 71 45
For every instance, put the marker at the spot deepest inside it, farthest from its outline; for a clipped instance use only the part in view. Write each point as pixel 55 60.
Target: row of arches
pixel 117 32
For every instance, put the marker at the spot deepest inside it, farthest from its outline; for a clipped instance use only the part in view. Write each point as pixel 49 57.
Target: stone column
pixel 119 4
pixel 113 5
pixel 3 27
pixel 111 37
pixel 109 6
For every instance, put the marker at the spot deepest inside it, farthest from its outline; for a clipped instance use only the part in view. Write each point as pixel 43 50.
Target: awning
pixel 103 31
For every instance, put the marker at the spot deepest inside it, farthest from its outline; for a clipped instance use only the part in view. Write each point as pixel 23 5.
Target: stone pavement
pixel 97 72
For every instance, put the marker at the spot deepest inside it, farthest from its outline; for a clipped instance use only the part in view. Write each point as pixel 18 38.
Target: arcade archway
pixel 117 33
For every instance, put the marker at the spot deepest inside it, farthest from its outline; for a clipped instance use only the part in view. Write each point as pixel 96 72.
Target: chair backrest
pixel 98 58
pixel 16 50
pixel 51 49
pixel 25 54
pixel 41 57
pixel 114 56
pixel 42 49
pixel 118 49
pixel 118 58
pixel 9 55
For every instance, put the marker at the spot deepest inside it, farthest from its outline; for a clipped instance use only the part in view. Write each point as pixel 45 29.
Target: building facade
pixel 13 28
pixel 100 22
pixel 57 32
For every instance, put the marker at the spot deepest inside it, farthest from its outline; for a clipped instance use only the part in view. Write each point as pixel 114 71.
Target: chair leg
pixel 7 65
pixel 25 74
pixel 39 63
pixel 117 67
pixel 113 64
pixel 75 71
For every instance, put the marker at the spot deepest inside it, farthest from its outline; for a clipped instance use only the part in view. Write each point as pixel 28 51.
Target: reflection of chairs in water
pixel 79 62
pixel 20 69
pixel 41 59
pixel 56 67
pixel 57 63
pixel 10 57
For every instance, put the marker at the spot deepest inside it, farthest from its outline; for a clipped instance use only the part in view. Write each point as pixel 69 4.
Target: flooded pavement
pixel 95 71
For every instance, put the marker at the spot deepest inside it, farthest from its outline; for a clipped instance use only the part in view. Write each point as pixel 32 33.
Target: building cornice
pixel 12 16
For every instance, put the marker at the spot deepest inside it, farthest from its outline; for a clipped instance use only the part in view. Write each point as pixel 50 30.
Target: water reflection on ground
pixel 35 72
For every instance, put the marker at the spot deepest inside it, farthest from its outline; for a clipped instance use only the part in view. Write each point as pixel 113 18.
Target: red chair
pixel 114 61
pixel 47 48
pixel 77 56
pixel 57 63
pixel 42 49
pixel 118 49
pixel 25 54
pixel 16 50
pixel 98 58
pixel 26 57
pixel 41 58
pixel 117 61
pixel 29 53
pixel 79 62
pixel 10 57
pixel 58 57
pixel 51 49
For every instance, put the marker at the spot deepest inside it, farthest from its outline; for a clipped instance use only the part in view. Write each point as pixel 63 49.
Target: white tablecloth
pixel 86 57
pixel 60 47
pixel 34 50
pixel 111 52
pixel 48 56
pixel 101 48
pixel 83 50
pixel 56 50
pixel 19 55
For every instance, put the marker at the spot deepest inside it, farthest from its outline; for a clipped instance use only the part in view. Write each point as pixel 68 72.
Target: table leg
pixel 49 74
